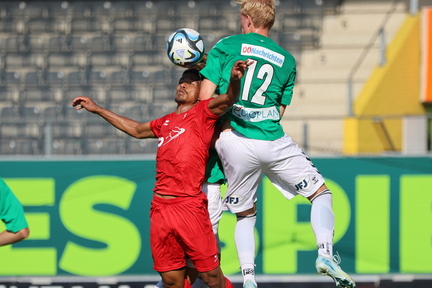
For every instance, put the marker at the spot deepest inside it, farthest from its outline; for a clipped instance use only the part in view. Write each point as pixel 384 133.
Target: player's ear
pixel 250 22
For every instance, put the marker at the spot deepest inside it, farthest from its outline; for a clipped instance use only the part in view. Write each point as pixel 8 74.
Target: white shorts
pixel 213 192
pixel 246 160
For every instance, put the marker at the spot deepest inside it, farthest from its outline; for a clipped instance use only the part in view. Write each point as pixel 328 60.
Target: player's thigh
pixel 236 151
pixel 291 170
pixel 166 250
pixel 213 192
pixel 195 230
pixel 242 169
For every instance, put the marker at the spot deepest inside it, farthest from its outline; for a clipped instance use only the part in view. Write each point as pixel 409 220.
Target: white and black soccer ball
pixel 185 47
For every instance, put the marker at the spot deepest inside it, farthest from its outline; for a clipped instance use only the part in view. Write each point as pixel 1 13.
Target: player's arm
pixel 220 104
pixel 128 126
pixel 8 237
pixel 282 110
pixel 207 89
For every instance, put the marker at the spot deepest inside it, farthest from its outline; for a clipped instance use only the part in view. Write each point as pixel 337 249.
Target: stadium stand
pixel 114 51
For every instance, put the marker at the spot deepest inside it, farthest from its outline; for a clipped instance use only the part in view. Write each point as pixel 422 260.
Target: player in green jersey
pixel 12 215
pixel 252 142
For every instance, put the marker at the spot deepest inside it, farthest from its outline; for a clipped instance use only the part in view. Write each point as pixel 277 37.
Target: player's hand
pixel 85 102
pixel 239 68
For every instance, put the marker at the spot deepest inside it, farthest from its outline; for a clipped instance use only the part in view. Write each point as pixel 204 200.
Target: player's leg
pixel 244 236
pixel 213 278
pixel 174 279
pixel 322 220
pixel 213 193
pixel 199 243
pixel 167 252
pixel 191 275
pixel 292 172
pixel 243 172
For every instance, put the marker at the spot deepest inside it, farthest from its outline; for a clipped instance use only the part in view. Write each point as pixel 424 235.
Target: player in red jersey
pixel 180 227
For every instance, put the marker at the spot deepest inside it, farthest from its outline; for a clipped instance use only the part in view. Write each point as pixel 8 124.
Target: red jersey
pixel 183 150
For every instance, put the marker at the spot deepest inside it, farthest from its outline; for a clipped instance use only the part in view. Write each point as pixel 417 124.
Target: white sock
pixel 322 220
pixel 245 243
pixel 248 272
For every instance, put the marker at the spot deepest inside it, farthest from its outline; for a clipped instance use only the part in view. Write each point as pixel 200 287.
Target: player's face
pixel 187 90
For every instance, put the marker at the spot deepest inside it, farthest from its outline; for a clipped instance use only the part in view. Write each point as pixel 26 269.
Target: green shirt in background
pixel 11 210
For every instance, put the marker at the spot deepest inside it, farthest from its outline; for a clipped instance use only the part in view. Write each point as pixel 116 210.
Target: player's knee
pixel 246 216
pixel 214 278
pixel 321 192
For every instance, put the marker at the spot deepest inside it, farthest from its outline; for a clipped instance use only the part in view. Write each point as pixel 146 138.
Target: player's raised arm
pixel 220 104
pixel 128 126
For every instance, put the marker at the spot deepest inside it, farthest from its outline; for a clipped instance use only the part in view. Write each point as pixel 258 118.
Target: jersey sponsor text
pixel 263 53
pixel 255 115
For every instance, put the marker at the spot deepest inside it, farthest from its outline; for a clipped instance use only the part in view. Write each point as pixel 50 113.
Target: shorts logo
pixel 304 184
pixel 234 200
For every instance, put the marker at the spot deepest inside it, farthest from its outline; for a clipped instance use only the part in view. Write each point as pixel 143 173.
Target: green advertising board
pixel 91 218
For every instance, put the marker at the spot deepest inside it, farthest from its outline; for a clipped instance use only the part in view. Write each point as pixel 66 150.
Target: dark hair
pixel 193 74
pixel 194 70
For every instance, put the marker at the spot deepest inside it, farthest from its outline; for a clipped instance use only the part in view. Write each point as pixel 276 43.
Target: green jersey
pixel 214 169
pixel 11 210
pixel 267 84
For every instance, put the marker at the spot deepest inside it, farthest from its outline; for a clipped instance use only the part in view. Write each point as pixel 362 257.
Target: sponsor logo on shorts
pixel 263 53
pixel 304 184
pixel 234 200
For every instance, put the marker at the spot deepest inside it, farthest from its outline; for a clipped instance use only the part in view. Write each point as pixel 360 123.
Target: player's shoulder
pixel 228 40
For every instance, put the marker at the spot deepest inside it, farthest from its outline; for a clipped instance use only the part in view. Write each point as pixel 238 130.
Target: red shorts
pixel 180 228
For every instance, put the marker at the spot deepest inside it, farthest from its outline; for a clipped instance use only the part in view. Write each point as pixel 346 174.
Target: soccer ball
pixel 185 47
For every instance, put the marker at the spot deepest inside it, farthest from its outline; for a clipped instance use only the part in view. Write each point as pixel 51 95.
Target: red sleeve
pixel 155 125
pixel 207 110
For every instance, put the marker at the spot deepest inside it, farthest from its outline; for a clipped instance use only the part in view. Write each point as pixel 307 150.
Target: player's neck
pixel 182 108
pixel 261 31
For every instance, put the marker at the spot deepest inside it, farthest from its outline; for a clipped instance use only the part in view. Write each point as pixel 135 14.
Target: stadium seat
pixel 141 146
pixel 9 95
pixel 9 113
pixel 104 146
pixel 140 113
pixel 31 114
pixel 163 94
pixel 7 23
pixel 98 129
pixel 86 77
pixel 20 146
pixel 10 78
pixel 64 146
pixel 25 43
pixel 53 113
pixel 142 43
pixel 67 43
pixel 157 110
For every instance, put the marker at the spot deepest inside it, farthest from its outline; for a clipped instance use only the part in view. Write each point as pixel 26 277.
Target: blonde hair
pixel 262 12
